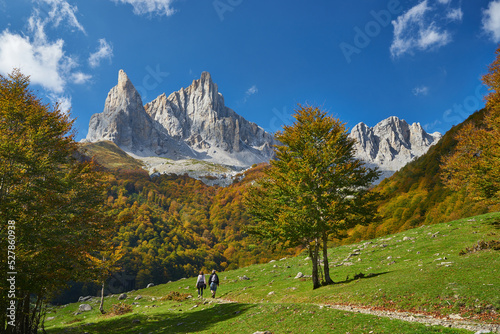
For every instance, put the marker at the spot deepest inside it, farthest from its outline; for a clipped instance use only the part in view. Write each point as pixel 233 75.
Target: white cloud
pixel 41 61
pixel 417 29
pixel 444 2
pixel 455 14
pixel 491 20
pixel 250 91
pixel 55 12
pixel 432 37
pixel 158 7
pixel 80 78
pixel 421 90
pixel 105 51
pixel 63 101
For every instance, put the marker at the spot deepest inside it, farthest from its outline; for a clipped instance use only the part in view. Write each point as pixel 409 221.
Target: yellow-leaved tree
pixel 51 205
pixel 315 189
pixel 475 164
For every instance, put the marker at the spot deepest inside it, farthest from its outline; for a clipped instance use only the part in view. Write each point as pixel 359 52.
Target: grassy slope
pixel 109 155
pixel 405 275
pixel 416 195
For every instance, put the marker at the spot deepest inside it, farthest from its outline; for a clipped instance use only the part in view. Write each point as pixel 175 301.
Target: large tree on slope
pixel 314 189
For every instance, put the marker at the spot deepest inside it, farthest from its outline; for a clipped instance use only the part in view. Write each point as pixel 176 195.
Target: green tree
pixel 52 197
pixel 314 189
pixel 475 164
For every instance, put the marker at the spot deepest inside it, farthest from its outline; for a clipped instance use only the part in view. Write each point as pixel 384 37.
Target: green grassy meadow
pixel 418 270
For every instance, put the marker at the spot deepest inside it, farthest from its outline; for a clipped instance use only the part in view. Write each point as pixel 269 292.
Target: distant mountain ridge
pixel 391 144
pixel 192 123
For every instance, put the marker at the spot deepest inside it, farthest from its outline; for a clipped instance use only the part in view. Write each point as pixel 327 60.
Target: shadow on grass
pixel 169 322
pixel 495 224
pixel 357 276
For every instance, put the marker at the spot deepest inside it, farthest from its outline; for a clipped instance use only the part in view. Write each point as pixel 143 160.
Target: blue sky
pixel 362 61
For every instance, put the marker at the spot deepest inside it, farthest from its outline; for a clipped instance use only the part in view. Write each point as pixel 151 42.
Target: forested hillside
pixel 173 226
pixel 416 195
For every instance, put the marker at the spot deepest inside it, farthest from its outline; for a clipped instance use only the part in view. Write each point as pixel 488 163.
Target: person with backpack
pixel 214 283
pixel 201 284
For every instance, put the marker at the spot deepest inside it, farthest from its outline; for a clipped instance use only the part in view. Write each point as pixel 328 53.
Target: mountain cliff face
pixel 391 144
pixel 193 123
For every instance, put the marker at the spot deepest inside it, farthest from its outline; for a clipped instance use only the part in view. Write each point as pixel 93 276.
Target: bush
pixel 119 309
pixel 481 245
pixel 177 296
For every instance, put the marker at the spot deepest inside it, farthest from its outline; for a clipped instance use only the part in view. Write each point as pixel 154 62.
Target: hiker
pixel 201 284
pixel 214 283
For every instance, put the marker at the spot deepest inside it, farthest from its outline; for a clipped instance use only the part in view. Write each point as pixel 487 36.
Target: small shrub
pixel 176 296
pixel 481 245
pixel 119 309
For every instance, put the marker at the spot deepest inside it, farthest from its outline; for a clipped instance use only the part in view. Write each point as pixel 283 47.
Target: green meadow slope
pixel 419 271
pixel 109 155
pixel 416 195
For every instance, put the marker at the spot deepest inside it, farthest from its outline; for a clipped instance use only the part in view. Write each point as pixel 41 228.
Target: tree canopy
pixel 314 190
pixel 475 163
pixel 52 198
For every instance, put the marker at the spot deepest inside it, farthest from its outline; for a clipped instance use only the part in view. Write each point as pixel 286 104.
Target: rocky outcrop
pixel 125 122
pixel 198 116
pixel 391 144
pixel 190 123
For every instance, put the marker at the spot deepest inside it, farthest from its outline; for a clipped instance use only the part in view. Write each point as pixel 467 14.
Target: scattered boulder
pixel 84 308
pixel 122 296
pixel 84 299
pixel 138 297
pixel 265 332
pixel 136 321
pixel 150 285
pixel 299 275
pixel 50 318
pixel 244 278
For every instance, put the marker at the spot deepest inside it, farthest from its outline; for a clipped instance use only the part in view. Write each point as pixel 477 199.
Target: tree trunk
pixel 314 255
pixel 326 266
pixel 101 307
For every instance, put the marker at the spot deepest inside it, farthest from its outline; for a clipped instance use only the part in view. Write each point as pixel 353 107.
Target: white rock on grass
pixel 84 308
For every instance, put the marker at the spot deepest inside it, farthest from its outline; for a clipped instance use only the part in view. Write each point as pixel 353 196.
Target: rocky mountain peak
pixel 391 143
pixel 123 80
pixel 190 123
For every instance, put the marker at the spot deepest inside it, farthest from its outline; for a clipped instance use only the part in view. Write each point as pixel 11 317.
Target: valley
pixel 417 276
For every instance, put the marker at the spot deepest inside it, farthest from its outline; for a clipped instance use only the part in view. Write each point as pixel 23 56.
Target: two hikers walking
pixel 201 283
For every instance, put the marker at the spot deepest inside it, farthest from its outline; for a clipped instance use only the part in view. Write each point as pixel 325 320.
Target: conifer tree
pixel 314 189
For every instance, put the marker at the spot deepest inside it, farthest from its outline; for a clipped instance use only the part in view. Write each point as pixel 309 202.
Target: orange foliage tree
pixel 475 164
pixel 51 197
